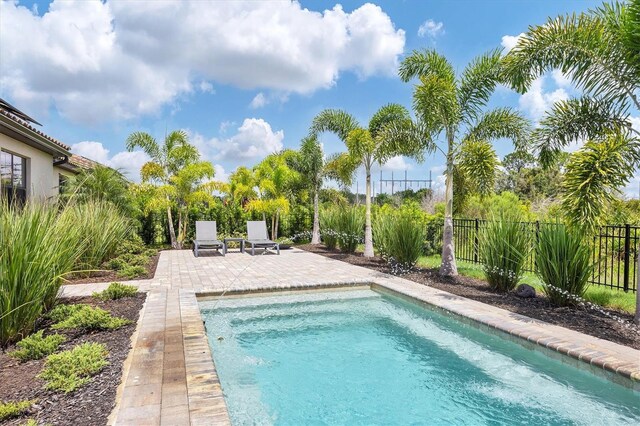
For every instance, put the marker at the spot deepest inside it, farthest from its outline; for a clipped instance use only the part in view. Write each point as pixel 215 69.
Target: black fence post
pixel 475 243
pixel 627 256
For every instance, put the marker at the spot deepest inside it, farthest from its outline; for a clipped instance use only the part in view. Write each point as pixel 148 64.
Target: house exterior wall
pixel 42 182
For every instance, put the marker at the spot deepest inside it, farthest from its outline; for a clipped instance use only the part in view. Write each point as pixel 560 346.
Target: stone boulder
pixel 525 291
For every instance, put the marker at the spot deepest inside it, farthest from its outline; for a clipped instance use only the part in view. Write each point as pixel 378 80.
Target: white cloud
pixel 254 139
pixel 259 101
pixel 561 79
pixel 99 60
pixel 221 174
pixel 206 87
pixel 431 28
pixel 129 163
pixel 535 102
pixel 635 123
pixel 632 190
pixel 397 163
pixel 509 42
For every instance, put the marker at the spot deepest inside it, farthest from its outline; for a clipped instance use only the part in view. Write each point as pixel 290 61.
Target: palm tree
pixel 600 52
pixel 310 165
pixel 100 183
pixel 176 167
pixel 364 148
pixel 451 107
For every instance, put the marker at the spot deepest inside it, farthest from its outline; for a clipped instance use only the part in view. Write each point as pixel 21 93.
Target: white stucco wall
pixel 40 174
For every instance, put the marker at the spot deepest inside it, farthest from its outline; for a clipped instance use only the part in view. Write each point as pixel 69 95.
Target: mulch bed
pixel 90 404
pixel 108 276
pixel 585 321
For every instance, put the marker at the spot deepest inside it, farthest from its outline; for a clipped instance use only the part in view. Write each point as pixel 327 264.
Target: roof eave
pixel 23 134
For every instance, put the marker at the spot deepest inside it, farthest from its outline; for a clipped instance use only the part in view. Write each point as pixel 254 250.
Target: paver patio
pixel 169 377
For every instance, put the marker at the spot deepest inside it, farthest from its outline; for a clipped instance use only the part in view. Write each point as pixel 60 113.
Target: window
pixel 13 177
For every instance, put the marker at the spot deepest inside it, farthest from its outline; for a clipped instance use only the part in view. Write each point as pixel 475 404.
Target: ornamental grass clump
pixel 69 370
pixel 563 263
pixel 399 239
pixel 350 230
pixel 504 245
pixel 36 346
pixel 37 251
pixel 103 227
pixel 329 227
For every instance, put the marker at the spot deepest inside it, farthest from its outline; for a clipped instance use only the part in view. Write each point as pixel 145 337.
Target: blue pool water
pixel 360 358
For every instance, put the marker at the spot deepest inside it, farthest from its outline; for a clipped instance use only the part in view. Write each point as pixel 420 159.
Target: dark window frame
pixel 12 192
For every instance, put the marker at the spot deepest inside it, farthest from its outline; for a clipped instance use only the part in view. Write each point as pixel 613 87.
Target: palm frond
pixel 426 63
pixel 335 121
pixel 477 83
pixel 478 161
pixel 501 123
pixel 145 141
pixel 408 138
pixel 384 116
pixel 576 119
pixel 341 168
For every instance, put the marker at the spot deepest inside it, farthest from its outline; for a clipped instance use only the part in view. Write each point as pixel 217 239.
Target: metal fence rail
pixel 614 249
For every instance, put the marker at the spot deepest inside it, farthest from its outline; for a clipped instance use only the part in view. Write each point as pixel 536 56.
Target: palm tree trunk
pixel 315 236
pixel 180 234
pixel 448 266
pixel 368 235
pixel 172 232
pixel 275 229
pixel 273 226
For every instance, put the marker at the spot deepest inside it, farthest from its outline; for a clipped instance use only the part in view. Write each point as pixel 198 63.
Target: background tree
pixel 178 174
pixel 599 52
pixel 451 107
pixel 364 147
pixel 101 183
pixel 310 165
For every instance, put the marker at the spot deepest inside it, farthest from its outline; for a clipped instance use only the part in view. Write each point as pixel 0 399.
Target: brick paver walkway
pixel 170 378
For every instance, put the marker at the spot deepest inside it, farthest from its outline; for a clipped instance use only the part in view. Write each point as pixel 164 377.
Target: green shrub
pixel 37 250
pixel 350 228
pixel 89 318
pixel 9 410
pixel 36 346
pixel 69 370
pixel 63 311
pixel 399 238
pixel 30 422
pixel 131 271
pixel 563 263
pixel 103 227
pixel 329 227
pixel 116 291
pixel 504 246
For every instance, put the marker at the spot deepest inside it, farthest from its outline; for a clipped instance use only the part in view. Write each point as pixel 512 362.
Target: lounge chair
pixel 207 237
pixel 257 237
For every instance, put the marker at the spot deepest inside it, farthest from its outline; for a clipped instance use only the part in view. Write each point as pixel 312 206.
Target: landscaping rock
pixel 525 291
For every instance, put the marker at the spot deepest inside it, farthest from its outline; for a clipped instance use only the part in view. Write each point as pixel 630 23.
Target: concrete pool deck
pixel 169 377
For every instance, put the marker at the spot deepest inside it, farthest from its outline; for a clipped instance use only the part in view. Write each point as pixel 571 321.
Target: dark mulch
pixel 92 403
pixel 108 276
pixel 585 321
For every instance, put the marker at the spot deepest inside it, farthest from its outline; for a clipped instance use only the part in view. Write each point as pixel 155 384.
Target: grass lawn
pixel 603 296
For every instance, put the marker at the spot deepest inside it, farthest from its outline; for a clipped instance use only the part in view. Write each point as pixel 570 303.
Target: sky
pixel 245 79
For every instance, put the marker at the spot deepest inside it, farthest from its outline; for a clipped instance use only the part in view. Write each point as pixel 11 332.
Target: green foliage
pixel 563 263
pixel 101 183
pixel 497 205
pixel 63 310
pixel 10 410
pixel 329 218
pixel 37 250
pixel 69 370
pixel 593 177
pixel 348 228
pixel 399 237
pixel 36 346
pixel 131 271
pixel 504 245
pixel 103 228
pixel 116 291
pixel 88 318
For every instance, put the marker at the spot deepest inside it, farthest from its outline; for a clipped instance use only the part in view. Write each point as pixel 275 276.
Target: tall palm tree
pixel 167 161
pixel 310 164
pixel 364 148
pixel 600 52
pixel 450 112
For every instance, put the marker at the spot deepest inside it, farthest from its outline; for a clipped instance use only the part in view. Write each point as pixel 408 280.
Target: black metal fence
pixel 614 248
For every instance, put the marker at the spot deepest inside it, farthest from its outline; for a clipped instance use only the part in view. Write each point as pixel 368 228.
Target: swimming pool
pixel 360 357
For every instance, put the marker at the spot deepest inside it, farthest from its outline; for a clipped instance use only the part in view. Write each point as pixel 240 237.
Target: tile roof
pixel 33 129
pixel 82 162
